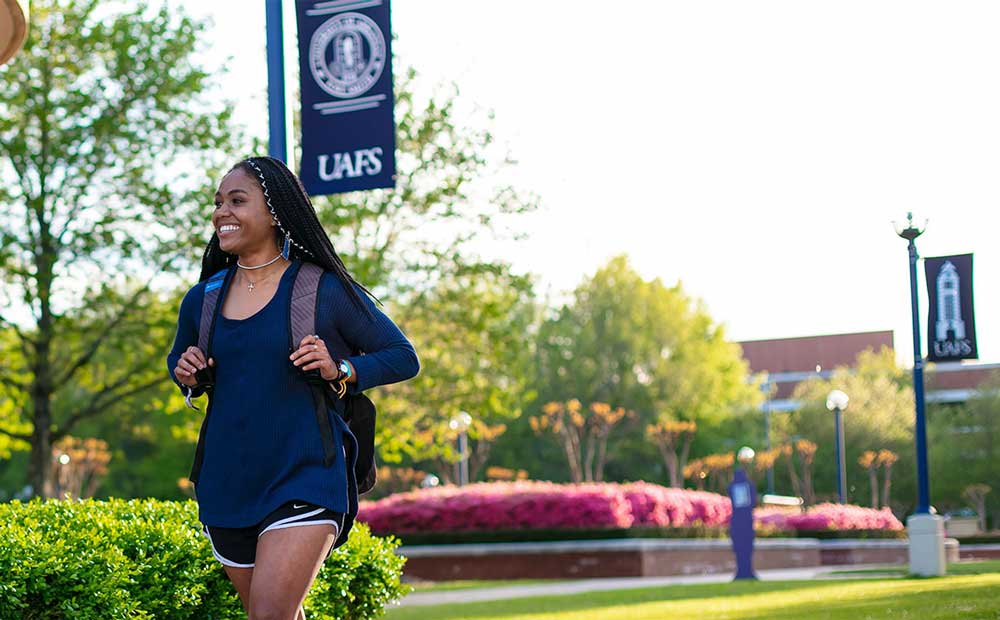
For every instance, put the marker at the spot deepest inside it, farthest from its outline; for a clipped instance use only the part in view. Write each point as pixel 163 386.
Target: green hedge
pixel 147 559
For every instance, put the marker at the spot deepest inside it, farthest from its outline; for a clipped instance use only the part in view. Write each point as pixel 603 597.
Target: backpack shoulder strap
pixel 302 303
pixel 214 287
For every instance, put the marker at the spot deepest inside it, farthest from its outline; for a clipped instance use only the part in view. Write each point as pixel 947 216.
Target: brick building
pixel 789 361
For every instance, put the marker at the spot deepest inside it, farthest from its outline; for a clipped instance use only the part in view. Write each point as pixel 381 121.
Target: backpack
pixel 359 411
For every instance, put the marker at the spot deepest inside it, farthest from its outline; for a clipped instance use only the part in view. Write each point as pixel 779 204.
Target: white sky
pixel 757 151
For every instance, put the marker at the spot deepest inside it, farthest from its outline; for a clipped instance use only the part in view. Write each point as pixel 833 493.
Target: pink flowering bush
pixel 829 517
pixel 528 505
pixel 657 506
pixel 500 506
pixel 544 505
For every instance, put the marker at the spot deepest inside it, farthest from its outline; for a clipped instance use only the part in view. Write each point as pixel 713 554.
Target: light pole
pixel 766 388
pixel 926 531
pixel 836 402
pixel 461 423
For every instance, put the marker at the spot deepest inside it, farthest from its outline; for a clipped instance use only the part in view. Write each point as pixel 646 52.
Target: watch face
pixel 344 368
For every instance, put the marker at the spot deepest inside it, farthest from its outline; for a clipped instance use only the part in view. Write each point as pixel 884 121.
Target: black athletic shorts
pixel 238 546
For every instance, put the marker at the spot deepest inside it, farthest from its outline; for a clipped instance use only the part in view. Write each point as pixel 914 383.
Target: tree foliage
pixel 964 445
pixel 447 196
pixel 645 347
pixel 473 331
pixel 878 417
pixel 102 117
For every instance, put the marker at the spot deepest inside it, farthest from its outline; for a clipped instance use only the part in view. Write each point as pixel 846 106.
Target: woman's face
pixel 241 218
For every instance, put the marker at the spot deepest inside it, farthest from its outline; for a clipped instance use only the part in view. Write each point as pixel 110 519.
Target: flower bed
pixel 657 506
pixel 500 506
pixel 506 508
pixel 829 517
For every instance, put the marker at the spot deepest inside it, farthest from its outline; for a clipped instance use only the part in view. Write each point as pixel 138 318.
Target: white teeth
pixel 228 228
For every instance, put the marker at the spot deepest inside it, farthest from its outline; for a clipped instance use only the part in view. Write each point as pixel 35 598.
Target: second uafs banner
pixel 951 325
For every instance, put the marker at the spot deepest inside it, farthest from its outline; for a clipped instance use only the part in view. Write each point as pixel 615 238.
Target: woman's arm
pixel 187 333
pixel 388 355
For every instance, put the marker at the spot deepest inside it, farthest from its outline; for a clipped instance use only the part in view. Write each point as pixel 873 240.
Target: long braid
pixel 295 218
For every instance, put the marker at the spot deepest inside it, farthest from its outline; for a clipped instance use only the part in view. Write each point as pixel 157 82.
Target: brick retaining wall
pixel 639 557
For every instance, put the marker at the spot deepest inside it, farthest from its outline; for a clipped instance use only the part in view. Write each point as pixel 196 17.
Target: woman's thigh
pixel 288 560
pixel 241 578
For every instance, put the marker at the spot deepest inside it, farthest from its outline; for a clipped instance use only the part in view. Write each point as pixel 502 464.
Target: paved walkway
pixel 622 583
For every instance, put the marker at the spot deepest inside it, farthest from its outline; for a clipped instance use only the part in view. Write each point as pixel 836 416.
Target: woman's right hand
pixel 190 362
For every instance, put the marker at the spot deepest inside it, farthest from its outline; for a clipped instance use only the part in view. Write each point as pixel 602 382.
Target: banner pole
pixel 277 140
pixel 923 487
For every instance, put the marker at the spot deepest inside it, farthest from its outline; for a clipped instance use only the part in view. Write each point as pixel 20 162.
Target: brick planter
pixel 639 557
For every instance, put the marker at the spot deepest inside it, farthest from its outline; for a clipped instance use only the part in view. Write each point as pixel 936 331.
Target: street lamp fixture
pixel 745 456
pixel 836 402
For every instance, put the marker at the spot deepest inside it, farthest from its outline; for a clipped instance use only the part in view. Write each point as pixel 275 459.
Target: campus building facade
pixel 786 362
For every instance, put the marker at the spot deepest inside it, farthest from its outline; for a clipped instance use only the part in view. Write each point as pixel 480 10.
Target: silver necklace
pixel 270 262
pixel 250 283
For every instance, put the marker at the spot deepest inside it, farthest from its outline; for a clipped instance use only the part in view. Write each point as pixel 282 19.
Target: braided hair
pixel 295 221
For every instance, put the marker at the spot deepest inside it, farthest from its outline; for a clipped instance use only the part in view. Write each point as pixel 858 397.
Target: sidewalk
pixel 595 585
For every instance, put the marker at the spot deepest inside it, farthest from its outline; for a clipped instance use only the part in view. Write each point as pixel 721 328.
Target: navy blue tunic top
pixel 262 445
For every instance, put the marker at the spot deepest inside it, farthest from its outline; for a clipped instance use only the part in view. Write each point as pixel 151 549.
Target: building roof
pixel 805 354
pixel 789 361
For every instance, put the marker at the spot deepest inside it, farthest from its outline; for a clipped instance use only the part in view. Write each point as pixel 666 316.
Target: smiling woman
pixel 13 27
pixel 273 471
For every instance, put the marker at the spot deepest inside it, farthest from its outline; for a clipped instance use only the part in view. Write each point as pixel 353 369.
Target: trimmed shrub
pixel 512 511
pixel 142 559
pixel 830 517
pixel 658 506
pixel 500 505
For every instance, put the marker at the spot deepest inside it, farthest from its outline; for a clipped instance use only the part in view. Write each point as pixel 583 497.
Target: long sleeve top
pixel 262 446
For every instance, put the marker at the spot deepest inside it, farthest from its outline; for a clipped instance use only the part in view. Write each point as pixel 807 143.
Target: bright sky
pixel 756 151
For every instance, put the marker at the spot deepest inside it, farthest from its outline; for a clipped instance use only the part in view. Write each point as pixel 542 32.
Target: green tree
pixel 964 445
pixel 397 240
pixel 878 417
pixel 102 116
pixel 473 331
pixel 643 346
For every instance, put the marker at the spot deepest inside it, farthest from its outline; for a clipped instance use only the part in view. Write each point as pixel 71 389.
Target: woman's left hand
pixel 311 354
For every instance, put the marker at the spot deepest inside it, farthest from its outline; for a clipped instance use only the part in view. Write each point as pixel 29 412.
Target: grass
pixel 963 568
pixel 968 596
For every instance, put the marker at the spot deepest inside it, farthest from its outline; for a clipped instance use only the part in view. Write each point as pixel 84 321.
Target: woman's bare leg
pixel 287 562
pixel 241 578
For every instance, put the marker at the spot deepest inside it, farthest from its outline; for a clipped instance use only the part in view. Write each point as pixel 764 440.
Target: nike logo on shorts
pixel 298 506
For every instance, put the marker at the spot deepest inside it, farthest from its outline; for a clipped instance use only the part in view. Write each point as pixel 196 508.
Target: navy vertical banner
pixel 951 323
pixel 345 67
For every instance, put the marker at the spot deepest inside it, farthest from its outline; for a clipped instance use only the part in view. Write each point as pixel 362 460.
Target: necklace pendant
pixel 250 286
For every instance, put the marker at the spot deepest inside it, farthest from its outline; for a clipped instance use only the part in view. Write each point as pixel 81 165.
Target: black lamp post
pixel 910 233
pixel 837 403
pixel 766 388
pixel 925 530
pixel 461 424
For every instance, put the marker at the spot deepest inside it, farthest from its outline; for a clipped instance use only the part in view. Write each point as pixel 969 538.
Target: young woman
pixel 270 506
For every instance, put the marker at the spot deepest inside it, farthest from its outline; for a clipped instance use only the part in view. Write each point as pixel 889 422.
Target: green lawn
pixel 960 597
